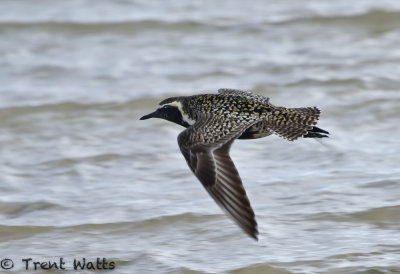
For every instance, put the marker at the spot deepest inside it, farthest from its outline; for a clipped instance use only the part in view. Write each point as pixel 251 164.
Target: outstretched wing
pixel 205 146
pixel 244 93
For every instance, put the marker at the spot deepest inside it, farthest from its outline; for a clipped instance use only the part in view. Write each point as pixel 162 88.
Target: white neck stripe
pixel 178 105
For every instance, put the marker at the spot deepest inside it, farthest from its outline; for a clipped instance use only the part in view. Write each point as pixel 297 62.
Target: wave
pixel 13 232
pixel 386 216
pixel 73 106
pixel 326 82
pixel 68 162
pixel 13 208
pixel 379 215
pixel 260 268
pixel 368 18
pixel 117 26
pixel 154 222
pixel 8 232
pixel 371 17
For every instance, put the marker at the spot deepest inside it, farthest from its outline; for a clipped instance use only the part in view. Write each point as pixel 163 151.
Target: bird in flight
pixel 213 122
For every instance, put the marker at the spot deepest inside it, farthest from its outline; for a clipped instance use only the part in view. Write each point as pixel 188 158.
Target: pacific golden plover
pixel 213 122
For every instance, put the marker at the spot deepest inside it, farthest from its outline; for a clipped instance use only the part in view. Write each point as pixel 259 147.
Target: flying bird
pixel 213 122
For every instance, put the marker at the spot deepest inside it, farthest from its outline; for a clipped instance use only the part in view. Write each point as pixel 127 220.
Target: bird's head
pixel 171 109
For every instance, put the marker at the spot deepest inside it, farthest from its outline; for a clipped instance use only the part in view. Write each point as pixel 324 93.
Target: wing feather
pixel 213 166
pixel 244 93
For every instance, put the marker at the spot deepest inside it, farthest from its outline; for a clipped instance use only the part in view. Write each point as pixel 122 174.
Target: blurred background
pixel 80 176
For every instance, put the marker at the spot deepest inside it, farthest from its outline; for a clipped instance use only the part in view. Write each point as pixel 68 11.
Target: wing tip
pixel 254 235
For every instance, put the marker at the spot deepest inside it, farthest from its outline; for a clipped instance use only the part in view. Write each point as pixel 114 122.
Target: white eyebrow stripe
pixel 185 117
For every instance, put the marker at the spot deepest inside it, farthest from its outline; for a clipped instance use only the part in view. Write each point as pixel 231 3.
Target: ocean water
pixel 82 178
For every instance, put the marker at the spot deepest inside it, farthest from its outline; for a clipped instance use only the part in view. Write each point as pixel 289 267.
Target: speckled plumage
pixel 214 122
pixel 243 106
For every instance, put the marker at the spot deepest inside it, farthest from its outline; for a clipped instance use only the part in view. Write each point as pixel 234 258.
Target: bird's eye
pixel 166 107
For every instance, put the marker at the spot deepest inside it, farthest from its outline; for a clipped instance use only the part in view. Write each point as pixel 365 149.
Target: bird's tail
pixel 292 123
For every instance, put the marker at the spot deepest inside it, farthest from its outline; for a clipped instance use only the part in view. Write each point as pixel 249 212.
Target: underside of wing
pixel 212 165
pixel 258 130
pixel 230 194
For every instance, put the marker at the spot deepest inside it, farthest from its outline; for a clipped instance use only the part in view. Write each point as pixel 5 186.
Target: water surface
pixel 82 177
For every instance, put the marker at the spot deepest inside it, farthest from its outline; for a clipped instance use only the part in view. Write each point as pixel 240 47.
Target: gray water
pixel 82 177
